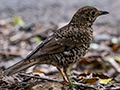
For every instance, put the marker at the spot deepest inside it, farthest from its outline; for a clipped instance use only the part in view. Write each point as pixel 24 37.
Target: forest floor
pixel 23 25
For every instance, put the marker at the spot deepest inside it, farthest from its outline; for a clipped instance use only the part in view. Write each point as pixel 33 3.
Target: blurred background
pixel 26 23
pixel 52 11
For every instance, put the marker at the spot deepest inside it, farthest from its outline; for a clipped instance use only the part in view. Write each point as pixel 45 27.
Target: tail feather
pixel 22 65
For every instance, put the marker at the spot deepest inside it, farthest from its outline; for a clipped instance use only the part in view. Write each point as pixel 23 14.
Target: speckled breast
pixel 67 58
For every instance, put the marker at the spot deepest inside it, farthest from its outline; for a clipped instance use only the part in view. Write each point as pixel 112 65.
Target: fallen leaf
pixel 105 81
pixel 18 20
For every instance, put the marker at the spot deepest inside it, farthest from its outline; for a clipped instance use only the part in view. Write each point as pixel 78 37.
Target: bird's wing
pixel 54 45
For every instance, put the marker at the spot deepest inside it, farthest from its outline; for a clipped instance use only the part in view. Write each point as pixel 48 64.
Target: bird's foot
pixel 65 82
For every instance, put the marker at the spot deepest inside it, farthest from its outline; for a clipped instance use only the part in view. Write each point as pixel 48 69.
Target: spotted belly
pixel 66 58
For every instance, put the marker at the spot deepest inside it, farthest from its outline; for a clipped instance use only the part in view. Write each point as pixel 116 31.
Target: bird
pixel 65 47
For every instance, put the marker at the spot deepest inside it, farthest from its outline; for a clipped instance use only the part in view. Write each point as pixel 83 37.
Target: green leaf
pixel 73 85
pixel 37 39
pixel 18 20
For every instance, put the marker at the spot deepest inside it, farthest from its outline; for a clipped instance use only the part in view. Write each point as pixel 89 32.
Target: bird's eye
pixel 93 13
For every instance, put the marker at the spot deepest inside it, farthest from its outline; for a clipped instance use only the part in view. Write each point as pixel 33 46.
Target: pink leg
pixel 65 71
pixel 62 74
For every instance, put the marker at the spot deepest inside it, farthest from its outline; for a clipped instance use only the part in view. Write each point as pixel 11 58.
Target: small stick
pixel 43 78
pixel 54 80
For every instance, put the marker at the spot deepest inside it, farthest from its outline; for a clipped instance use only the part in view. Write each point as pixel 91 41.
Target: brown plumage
pixel 66 46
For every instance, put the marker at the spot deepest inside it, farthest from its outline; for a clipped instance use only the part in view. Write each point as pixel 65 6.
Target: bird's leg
pixel 65 71
pixel 62 74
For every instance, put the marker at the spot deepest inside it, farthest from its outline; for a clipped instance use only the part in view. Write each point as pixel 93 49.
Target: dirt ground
pixel 42 18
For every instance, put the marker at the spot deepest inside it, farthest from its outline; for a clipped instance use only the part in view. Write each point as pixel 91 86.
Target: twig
pixel 54 80
pixel 13 53
pixel 91 87
pixel 43 78
pixel 113 63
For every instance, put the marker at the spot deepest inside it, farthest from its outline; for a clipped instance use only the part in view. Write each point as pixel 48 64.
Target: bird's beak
pixel 103 12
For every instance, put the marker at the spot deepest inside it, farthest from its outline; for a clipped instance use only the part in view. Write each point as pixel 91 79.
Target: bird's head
pixel 85 16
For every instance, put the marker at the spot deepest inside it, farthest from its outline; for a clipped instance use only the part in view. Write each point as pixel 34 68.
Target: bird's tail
pixel 22 65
